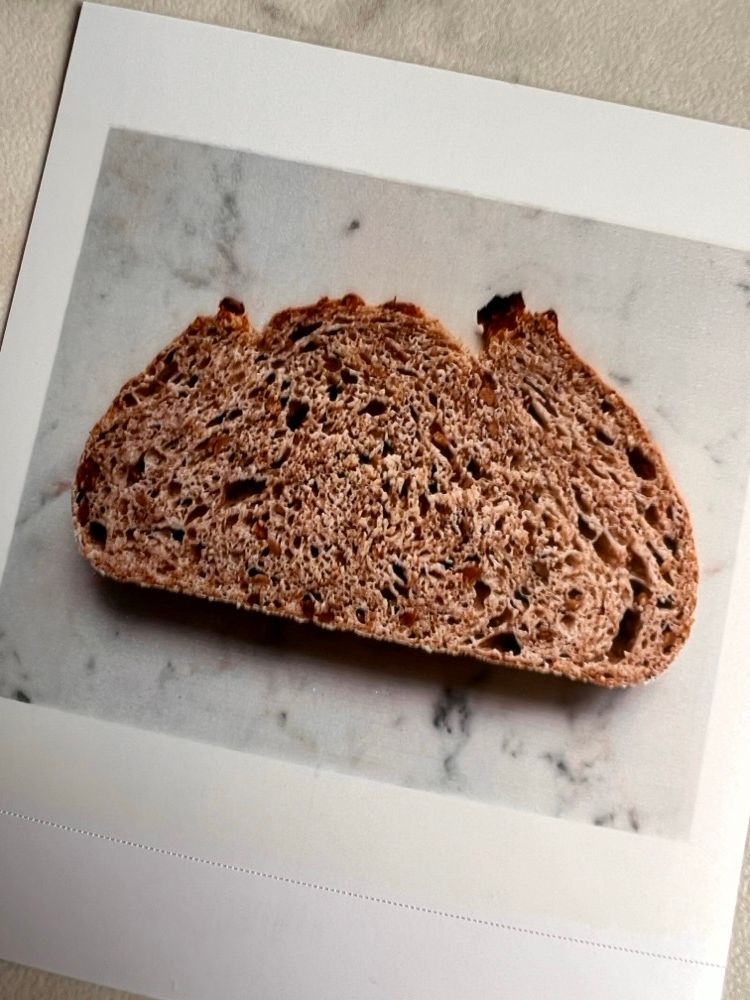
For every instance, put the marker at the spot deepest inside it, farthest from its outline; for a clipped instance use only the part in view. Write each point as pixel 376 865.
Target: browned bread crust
pixel 356 467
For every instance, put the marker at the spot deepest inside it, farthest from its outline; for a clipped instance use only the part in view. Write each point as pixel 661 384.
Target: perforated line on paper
pixel 499 925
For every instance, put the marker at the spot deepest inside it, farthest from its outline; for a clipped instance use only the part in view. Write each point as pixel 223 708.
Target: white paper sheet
pixel 554 888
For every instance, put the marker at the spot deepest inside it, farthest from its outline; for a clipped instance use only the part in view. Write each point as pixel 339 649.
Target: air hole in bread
pixel 638 587
pixel 233 414
pixel 332 363
pixel 664 603
pixel 606 406
pixel 482 591
pixel 585 528
pixel 215 421
pixel 606 550
pixel 641 464
pixel 627 633
pixel 349 377
pixel 84 511
pixel 473 468
pixel 502 619
pixel 439 439
pixel 652 515
pixel 192 381
pixel 389 595
pixel 296 414
pixel 136 470
pixel 503 642
pixel 655 553
pixel 97 533
pixel 231 520
pixel 535 412
pixel 540 567
pixel 314 551
pixel 333 391
pixel 147 389
pixel 174 488
pixel 668 640
pixel 424 505
pixel 129 399
pixel 375 408
pixel 573 599
pixel 311 345
pixel 361 614
pixel 671 543
pixel 277 463
pixel 400 572
pixel 242 489
pixel 168 371
pixel 198 511
pixel 178 534
pixel 603 437
pixel 303 330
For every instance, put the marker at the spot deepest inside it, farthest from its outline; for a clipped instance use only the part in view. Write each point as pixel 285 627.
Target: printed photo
pixel 428 489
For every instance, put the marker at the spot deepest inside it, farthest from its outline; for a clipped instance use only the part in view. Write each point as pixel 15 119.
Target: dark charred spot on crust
pixel 231 305
pixel 502 312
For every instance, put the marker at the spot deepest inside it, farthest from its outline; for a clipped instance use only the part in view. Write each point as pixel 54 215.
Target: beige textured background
pixel 688 57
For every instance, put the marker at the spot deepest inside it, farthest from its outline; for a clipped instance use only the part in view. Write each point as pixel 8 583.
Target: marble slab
pixel 174 227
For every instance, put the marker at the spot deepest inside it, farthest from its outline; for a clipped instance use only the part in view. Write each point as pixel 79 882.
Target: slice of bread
pixel 354 466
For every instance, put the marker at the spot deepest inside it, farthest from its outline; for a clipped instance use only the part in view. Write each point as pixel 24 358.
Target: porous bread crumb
pixel 354 466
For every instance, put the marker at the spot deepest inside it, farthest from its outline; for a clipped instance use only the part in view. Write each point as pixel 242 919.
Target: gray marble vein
pixel 174 227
